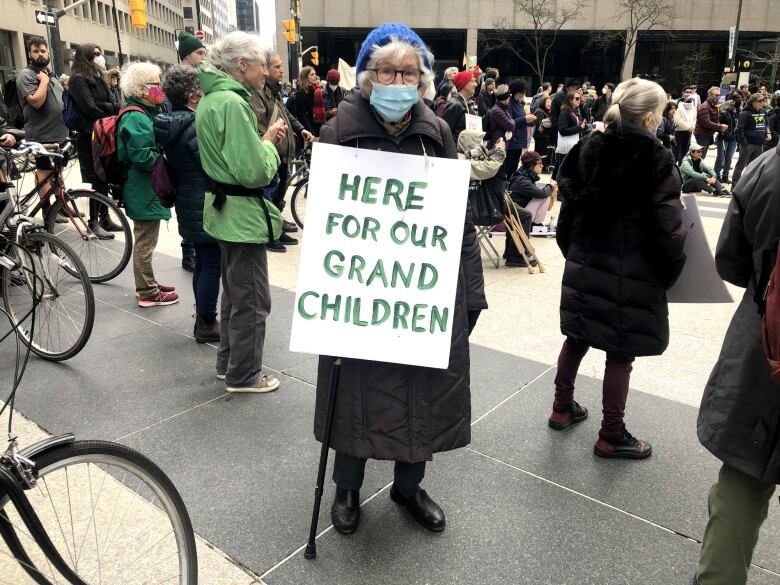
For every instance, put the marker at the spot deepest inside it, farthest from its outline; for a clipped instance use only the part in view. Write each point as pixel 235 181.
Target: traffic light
pixel 138 14
pixel 290 34
pixel 743 64
pixel 315 58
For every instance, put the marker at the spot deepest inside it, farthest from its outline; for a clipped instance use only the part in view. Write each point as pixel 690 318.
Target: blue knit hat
pixel 383 35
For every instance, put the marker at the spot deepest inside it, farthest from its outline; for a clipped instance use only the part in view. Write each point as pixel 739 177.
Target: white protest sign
pixel 380 256
pixel 473 122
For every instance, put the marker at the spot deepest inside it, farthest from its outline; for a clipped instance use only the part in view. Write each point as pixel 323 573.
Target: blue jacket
pixel 175 132
pixel 520 137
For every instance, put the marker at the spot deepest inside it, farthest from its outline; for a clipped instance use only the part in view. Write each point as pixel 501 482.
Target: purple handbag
pixel 162 182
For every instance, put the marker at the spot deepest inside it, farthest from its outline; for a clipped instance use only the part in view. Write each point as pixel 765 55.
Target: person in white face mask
pixel 89 89
pixel 333 93
pixel 601 105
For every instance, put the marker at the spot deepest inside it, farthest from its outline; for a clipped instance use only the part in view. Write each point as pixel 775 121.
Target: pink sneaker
pixel 166 289
pixel 161 298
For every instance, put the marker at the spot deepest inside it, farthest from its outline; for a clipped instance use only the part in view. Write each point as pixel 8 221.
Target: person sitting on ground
pixel 500 123
pixel 487 96
pixel 527 193
pixel 136 145
pixel 239 163
pixel 175 132
pixel 698 175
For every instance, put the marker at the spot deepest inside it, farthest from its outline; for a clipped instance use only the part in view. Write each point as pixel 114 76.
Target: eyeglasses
pixel 388 75
pixel 98 53
pixel 154 83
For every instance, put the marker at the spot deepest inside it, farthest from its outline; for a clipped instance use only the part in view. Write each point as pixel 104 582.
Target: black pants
pixel 747 154
pixel 511 162
pixel 348 474
pixel 682 141
pixel 510 251
pixel 694 185
pixel 281 191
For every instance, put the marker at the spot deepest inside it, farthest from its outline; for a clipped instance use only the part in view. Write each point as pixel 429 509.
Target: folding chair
pixel 514 229
pixel 484 237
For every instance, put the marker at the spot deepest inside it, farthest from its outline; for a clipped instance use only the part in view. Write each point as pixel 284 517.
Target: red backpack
pixel 770 322
pixel 108 167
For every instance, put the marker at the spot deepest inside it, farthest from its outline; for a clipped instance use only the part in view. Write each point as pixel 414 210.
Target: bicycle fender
pixel 41 447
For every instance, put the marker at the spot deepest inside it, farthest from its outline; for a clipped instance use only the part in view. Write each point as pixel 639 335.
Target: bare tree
pixel 537 22
pixel 691 69
pixel 635 16
pixel 765 65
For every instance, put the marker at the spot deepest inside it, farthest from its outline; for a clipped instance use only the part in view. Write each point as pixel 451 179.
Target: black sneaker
pixel 725 181
pixel 288 226
pixel 287 240
pixel 276 246
pixel 626 447
pixel 188 263
pixel 563 420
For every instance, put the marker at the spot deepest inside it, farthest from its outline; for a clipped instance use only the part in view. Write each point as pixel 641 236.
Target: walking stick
pixel 311 547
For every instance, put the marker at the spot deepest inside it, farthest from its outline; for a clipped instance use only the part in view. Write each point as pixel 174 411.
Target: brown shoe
pixel 626 447
pixel 563 420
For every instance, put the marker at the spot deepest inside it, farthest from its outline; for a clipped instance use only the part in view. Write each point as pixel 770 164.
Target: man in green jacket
pixel 239 163
pixel 698 175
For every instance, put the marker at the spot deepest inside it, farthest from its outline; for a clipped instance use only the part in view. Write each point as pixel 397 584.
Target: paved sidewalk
pixel 524 504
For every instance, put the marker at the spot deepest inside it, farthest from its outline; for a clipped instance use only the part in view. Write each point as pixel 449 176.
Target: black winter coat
pixel 620 230
pixel 455 115
pixel 568 124
pixel 739 418
pixel 523 188
pixel 303 109
pixel 93 101
pixel 395 411
pixel 175 132
pixel 485 101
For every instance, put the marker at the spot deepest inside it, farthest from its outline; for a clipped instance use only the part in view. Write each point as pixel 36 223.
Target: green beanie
pixel 188 43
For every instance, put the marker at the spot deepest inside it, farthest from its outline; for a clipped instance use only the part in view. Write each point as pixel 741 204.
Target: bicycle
pixel 87 511
pixel 300 181
pixel 61 294
pixel 104 259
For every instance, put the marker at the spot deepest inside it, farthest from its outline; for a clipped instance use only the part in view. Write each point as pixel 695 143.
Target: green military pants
pixel 738 507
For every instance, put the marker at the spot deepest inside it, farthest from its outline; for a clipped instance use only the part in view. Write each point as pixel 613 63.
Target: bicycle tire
pixel 299 196
pixel 11 289
pixel 123 466
pixel 103 259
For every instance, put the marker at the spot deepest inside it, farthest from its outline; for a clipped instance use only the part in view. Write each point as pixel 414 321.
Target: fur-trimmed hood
pixel 615 170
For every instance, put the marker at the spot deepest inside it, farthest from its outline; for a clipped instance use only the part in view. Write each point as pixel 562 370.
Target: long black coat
pixel 620 230
pixel 395 411
pixel 739 419
pixel 93 101
pixel 175 132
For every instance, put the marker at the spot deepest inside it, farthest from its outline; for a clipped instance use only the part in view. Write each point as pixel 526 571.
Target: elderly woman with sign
pixel 385 410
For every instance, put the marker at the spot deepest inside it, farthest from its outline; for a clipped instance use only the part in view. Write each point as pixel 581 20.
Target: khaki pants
pixel 738 506
pixel 145 234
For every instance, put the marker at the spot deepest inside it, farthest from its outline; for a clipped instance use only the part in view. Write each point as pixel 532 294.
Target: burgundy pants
pixel 615 389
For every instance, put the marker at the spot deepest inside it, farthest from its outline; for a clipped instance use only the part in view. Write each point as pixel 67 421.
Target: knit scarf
pixel 318 110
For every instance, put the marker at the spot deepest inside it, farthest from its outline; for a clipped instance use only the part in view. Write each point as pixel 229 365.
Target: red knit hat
pixel 461 79
pixel 333 76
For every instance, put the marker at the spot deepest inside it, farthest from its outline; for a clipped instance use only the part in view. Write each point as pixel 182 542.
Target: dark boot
pixel 99 232
pixel 107 223
pixel 345 511
pixel 575 413
pixel 422 507
pixel 206 329
pixel 624 447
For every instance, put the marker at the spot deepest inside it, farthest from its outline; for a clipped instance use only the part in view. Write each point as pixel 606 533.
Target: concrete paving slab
pixel 503 527
pixel 249 486
pixel 670 488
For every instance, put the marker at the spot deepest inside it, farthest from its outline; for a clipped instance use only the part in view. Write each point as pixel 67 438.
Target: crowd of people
pixel 229 126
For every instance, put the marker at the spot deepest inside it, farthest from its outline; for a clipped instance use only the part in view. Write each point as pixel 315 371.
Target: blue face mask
pixel 392 102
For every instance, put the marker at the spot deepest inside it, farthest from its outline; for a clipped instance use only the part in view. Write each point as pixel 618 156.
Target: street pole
pixel 116 26
pixel 55 43
pixel 731 62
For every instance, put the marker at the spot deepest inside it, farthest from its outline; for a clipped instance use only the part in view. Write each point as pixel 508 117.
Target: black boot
pixel 109 224
pixel 99 232
pixel 345 511
pixel 206 329
pixel 422 507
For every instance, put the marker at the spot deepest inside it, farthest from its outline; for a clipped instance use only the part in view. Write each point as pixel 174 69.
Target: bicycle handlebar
pixel 36 148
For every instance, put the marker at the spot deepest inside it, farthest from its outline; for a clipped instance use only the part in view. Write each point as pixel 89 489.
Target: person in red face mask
pixel 136 145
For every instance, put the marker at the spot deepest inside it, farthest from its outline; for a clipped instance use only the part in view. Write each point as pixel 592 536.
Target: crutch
pixel 520 238
pixel 311 546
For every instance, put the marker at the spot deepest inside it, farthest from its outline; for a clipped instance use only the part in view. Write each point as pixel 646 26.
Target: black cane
pixel 311 547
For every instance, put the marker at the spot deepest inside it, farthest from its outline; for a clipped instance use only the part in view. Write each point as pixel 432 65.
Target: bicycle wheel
pixel 298 202
pixel 113 516
pixel 103 259
pixel 65 308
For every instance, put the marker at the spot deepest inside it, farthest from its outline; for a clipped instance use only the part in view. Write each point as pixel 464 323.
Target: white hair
pixel 226 52
pixel 633 100
pixel 136 76
pixel 395 51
